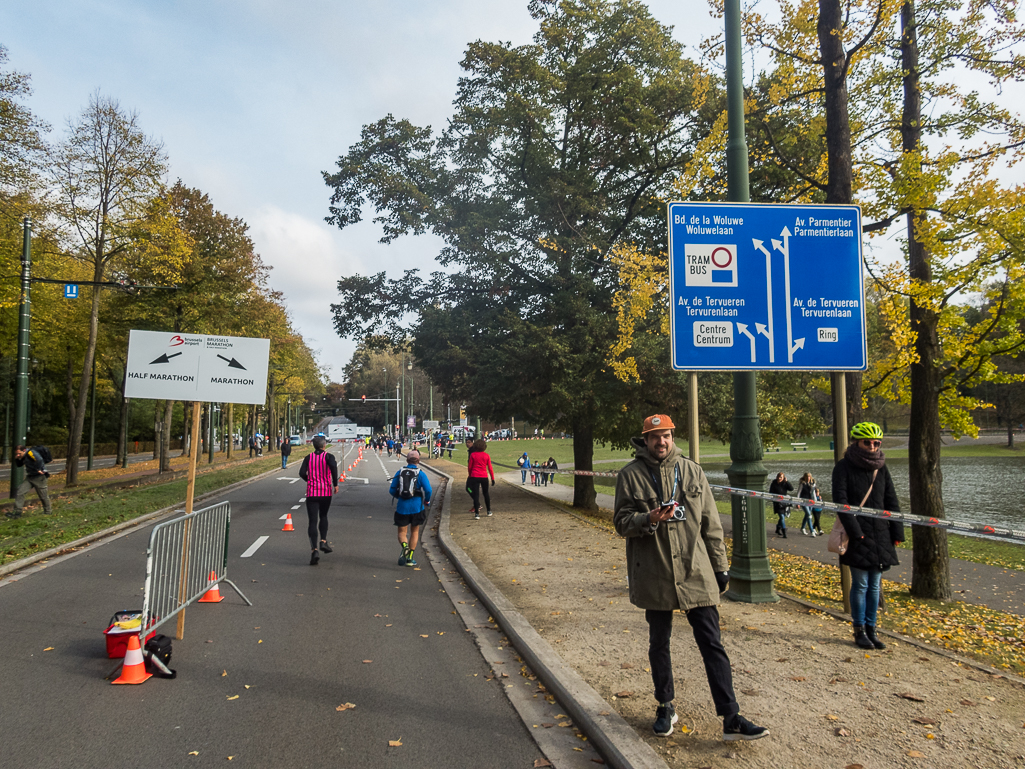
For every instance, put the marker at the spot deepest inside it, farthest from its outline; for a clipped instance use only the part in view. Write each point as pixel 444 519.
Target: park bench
pixel 796 446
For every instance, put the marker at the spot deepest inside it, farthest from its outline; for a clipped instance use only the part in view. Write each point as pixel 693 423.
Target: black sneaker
pixel 403 558
pixel 13 515
pixel 314 558
pixel 489 513
pixel 325 547
pixel 739 728
pixel 665 717
pixel 476 516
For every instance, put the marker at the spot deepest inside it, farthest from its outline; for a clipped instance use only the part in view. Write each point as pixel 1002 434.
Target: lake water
pixel 975 489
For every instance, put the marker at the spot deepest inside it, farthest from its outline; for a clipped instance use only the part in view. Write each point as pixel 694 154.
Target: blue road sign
pixel 766 287
pixel 71 291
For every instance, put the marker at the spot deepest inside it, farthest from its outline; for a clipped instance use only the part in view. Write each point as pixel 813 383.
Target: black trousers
pixel 316 508
pixel 475 486
pixel 704 622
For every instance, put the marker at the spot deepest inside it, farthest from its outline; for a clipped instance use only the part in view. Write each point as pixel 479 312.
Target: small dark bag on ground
pixel 158 656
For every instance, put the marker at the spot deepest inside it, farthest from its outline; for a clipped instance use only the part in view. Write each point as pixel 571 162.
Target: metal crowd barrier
pixel 182 555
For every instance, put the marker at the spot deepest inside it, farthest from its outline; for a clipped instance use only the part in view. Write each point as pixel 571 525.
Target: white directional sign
pixel 773 287
pixel 193 367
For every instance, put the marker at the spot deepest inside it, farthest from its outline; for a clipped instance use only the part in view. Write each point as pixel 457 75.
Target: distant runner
pixel 412 488
pixel 320 471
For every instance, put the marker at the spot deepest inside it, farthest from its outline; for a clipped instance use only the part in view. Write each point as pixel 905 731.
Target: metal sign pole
pixel 190 495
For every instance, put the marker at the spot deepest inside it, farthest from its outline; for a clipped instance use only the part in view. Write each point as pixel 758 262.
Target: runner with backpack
pixel 34 461
pixel 411 487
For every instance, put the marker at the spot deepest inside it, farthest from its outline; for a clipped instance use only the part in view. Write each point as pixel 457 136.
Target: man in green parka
pixel 676 560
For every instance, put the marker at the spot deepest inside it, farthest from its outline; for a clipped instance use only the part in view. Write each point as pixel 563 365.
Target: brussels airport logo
pixel 711 264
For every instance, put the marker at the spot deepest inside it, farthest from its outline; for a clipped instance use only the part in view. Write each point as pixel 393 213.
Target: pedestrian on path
pixel 524 464
pixel 807 490
pixel 780 485
pixel 862 478
pixel 35 478
pixel 320 471
pixel 478 468
pixel 286 452
pixel 252 446
pixel 412 488
pixel 676 560
pixel 552 465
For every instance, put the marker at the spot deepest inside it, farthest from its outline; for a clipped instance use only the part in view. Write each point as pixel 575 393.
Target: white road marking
pixel 354 478
pixel 254 547
pixel 302 499
pixel 295 507
pixel 284 516
pixel 296 480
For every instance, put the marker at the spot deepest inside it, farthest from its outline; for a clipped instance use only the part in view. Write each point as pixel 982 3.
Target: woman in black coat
pixel 781 486
pixel 871 549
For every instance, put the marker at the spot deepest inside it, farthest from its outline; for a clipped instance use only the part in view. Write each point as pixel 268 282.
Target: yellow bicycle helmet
pixel 866 431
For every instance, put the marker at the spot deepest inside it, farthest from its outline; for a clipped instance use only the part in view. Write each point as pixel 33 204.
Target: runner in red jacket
pixel 478 468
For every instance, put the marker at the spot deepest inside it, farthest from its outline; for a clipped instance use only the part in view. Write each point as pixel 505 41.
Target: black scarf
pixel 866 460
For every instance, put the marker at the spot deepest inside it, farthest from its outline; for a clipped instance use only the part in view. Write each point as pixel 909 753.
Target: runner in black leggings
pixel 320 471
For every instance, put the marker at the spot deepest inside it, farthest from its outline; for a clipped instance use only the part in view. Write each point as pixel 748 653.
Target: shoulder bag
pixel 838 540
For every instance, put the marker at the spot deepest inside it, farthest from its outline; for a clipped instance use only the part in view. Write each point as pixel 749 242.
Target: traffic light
pixel 364 399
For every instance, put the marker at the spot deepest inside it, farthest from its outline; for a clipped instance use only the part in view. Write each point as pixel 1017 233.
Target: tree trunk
pixel 158 432
pixel 186 430
pixel 230 433
pixel 584 497
pixel 931 568
pixel 840 171
pixel 78 418
pixel 1010 434
pixel 70 391
pixel 165 440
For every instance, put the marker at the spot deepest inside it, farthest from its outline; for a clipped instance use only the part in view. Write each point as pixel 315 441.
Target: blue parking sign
pixel 71 291
pixel 766 287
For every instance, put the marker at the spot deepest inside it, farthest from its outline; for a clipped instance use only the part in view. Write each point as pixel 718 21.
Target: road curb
pixel 119 528
pixel 617 741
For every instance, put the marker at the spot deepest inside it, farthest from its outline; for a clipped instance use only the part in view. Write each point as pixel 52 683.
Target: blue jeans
pixel 864 595
pixel 523 476
pixel 284 462
pixel 807 521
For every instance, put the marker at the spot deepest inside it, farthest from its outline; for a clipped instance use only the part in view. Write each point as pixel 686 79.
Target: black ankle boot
pixel 870 633
pixel 861 639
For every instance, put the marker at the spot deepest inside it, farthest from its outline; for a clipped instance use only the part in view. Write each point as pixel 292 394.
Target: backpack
pixel 44 456
pixel 408 484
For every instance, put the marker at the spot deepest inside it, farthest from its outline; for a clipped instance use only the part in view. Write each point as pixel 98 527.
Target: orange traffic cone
pixel 134 669
pixel 288 523
pixel 213 595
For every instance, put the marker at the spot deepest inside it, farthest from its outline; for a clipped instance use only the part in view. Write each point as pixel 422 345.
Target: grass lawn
pixel 76 516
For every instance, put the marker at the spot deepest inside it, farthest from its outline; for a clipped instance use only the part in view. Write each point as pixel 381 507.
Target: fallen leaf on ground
pixel 367 662
pixel 798 678
pixel 854 766
pixel 910 696
pixel 345 706
pixel 916 754
pixel 224 673
pixel 968 703
pixel 424 636
pixel 750 692
pixel 831 717
pixel 926 721
pixel 48 649
pixel 626 666
pixel 624 695
pixel 539 762
pixel 233 698
pixel 194 753
pixel 395 743
pixel 841 733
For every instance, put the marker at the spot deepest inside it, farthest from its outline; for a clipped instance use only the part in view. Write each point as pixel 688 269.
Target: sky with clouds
pixel 253 99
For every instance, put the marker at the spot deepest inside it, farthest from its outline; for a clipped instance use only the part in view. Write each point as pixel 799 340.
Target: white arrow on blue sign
pixel 71 291
pixel 766 287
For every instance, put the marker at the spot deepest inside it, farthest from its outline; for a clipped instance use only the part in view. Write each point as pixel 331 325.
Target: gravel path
pixel 827 703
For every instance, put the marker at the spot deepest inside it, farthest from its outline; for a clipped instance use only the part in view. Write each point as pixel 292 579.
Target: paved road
pixel 301 648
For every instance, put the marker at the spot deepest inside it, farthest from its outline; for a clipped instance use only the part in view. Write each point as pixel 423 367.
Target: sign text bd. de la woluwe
pixel 766 287
pixel 193 367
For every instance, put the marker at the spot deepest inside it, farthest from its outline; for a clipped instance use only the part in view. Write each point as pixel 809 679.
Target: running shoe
pixel 489 513
pixel 739 728
pixel 325 547
pixel 402 559
pixel 665 717
pixel 314 558
pixel 476 516
pixel 411 562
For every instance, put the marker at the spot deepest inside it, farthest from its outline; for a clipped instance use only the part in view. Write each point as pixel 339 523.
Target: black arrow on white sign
pixel 232 363
pixel 165 358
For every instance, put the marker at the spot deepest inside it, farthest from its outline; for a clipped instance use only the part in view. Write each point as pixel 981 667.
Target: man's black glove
pixel 723 579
